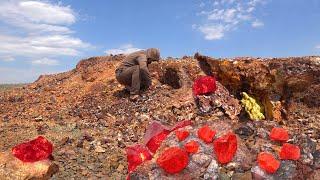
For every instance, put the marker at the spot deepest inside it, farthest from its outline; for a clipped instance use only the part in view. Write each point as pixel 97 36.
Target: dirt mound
pixel 89 119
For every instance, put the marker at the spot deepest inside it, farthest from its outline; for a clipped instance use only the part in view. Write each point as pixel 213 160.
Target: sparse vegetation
pixel 4 87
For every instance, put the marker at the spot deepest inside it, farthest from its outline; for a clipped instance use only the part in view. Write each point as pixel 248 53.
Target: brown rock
pixel 13 168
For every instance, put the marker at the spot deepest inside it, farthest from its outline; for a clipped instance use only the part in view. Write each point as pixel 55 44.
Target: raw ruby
pixel 225 148
pixel 182 135
pixel 279 134
pixel 289 152
pixel 204 85
pixel 267 162
pixel 192 147
pixel 206 134
pixel 136 155
pixel 155 142
pixel 173 160
pixel 34 150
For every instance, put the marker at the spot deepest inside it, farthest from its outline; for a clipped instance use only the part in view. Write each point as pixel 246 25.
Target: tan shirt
pixel 133 59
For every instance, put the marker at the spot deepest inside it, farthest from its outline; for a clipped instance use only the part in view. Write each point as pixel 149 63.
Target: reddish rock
pixel 192 147
pixel 289 152
pixel 155 142
pixel 173 160
pixel 225 148
pixel 181 135
pixel 268 163
pixel 34 150
pixel 206 134
pixel 279 134
pixel 204 85
pixel 136 155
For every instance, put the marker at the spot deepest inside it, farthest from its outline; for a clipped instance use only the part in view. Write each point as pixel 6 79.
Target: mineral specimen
pixel 156 141
pixel 290 152
pixel 136 155
pixel 192 147
pixel 204 85
pixel 181 135
pixel 268 163
pixel 173 160
pixel 251 106
pixel 34 150
pixel 225 148
pixel 279 134
pixel 206 134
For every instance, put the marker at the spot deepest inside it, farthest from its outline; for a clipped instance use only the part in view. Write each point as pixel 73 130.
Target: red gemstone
pixel 206 134
pixel 34 150
pixel 289 152
pixel 279 134
pixel 136 155
pixel 204 85
pixel 155 142
pixel 225 148
pixel 173 160
pixel 181 135
pixel 192 147
pixel 268 163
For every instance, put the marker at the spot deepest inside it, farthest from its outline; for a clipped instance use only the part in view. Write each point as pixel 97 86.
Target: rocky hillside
pixel 88 117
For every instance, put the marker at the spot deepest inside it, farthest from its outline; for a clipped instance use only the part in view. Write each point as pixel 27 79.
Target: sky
pixel 50 36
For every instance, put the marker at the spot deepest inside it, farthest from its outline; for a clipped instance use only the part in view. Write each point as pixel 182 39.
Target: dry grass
pixel 4 87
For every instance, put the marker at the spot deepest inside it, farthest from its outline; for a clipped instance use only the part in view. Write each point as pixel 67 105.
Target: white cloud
pixel 317 47
pixel 257 24
pixel 227 15
pixel 6 58
pixel 213 32
pixel 38 29
pixel 45 61
pixel 124 49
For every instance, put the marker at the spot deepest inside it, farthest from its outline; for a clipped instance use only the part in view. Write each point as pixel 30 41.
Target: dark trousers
pixel 134 78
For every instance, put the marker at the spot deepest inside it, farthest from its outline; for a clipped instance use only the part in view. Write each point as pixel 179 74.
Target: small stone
pixel 201 159
pixel 225 148
pixel 204 85
pixel 99 149
pixel 212 170
pixel 181 135
pixel 192 147
pixel 268 163
pixel 206 134
pixel 120 168
pixel 290 152
pixel 279 134
pixel 34 150
pixel 244 131
pixel 173 160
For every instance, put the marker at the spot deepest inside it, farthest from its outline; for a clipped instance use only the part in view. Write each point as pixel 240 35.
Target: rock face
pixel 13 168
pixel 277 82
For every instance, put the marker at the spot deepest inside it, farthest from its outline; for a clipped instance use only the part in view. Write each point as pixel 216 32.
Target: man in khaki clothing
pixel 133 71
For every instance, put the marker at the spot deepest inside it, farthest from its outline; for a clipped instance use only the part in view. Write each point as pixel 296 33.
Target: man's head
pixel 153 54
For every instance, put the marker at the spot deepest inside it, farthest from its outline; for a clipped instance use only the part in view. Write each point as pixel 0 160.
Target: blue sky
pixel 50 36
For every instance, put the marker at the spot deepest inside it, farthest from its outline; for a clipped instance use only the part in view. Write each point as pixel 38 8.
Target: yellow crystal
pixel 252 107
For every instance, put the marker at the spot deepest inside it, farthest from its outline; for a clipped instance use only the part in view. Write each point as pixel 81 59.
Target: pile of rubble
pixel 90 121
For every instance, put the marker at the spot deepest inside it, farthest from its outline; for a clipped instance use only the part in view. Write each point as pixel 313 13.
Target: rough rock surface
pixel 88 117
pixel 13 168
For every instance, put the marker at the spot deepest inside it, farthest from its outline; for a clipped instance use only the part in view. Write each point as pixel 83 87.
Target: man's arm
pixel 142 61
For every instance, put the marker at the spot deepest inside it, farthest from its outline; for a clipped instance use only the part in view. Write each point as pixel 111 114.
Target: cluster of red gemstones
pixel 288 151
pixel 204 85
pixel 34 150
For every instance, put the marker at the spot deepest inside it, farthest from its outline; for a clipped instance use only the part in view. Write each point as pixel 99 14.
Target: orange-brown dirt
pixel 89 118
